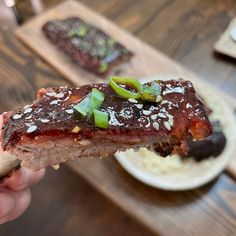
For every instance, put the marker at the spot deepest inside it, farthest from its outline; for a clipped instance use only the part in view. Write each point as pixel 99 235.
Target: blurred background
pixel 99 197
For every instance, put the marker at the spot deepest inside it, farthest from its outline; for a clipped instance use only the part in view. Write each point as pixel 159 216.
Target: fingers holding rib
pixel 23 178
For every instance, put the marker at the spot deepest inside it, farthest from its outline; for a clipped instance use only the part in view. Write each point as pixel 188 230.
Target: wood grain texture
pixel 146 62
pixel 156 24
pixel 188 30
pixel 143 64
pixel 64 204
pixel 167 213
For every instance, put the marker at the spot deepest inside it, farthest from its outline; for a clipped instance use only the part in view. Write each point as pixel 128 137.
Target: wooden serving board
pixel 225 44
pixel 146 62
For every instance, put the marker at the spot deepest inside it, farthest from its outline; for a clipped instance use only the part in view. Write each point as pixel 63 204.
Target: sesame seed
pixel 70 111
pixel 164 102
pixel 161 115
pixel 17 116
pixel 188 105
pixel 31 129
pixel 139 106
pixel 59 95
pixel 44 120
pixel 174 90
pixel 167 125
pixel 146 112
pixel 156 125
pixel 171 119
pixel 132 100
pixel 171 122
pixel 154 117
pixel 26 106
pixel 54 102
pixel 28 117
pixel 52 94
pixel 28 110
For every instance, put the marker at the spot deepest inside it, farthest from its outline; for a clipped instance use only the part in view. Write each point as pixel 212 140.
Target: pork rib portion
pixel 88 46
pixel 48 131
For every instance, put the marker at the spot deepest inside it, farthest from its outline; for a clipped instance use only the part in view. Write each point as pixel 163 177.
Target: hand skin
pixel 15 195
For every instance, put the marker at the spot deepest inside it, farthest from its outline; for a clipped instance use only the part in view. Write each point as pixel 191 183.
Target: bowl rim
pixel 159 181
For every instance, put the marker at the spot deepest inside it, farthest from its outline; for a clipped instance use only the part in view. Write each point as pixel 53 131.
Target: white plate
pixel 189 174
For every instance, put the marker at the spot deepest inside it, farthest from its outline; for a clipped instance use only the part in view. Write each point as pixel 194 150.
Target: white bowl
pixel 188 174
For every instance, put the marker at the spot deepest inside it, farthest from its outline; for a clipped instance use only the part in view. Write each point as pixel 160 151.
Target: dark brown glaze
pixel 87 45
pixel 180 113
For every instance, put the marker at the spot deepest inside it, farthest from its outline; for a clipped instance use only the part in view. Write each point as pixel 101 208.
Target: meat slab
pixel 86 45
pixel 48 131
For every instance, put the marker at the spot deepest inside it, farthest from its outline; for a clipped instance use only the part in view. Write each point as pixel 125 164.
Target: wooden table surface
pixel 64 203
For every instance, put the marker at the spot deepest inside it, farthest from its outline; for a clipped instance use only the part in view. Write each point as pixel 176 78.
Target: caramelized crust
pixel 51 116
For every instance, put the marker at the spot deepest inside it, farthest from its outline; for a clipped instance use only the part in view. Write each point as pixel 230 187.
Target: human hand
pixel 15 194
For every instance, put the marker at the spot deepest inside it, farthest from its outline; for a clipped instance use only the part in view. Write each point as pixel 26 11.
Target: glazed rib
pixel 44 133
pixel 86 45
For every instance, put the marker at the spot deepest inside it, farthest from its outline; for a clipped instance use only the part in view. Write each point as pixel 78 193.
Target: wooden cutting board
pixel 225 44
pixel 147 61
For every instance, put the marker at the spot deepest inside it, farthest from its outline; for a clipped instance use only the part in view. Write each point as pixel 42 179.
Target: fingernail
pixel 7 204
